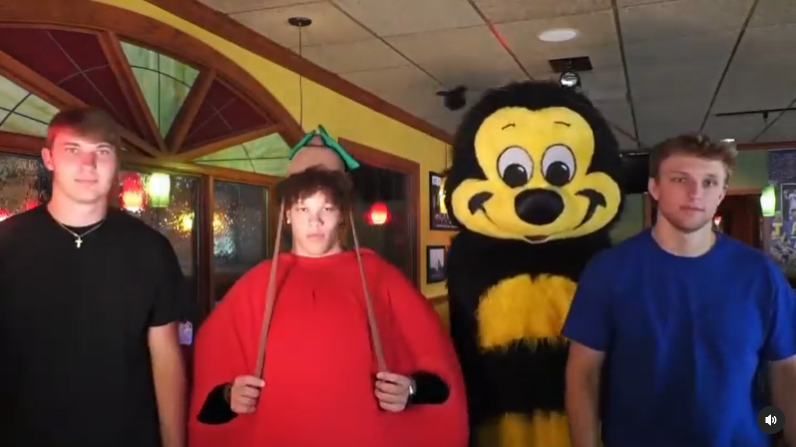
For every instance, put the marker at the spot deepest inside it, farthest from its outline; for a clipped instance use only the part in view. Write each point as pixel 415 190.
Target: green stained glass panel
pixel 164 82
pixel 231 153
pixel 267 155
pixel 23 112
pixel 240 165
pixel 276 168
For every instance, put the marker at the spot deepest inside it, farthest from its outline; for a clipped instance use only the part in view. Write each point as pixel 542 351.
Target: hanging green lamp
pixel 768 201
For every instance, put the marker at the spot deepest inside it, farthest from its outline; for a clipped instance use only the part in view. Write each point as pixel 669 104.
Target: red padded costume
pixel 319 368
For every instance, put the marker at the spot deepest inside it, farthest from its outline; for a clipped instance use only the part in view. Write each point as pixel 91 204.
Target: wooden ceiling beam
pixel 132 93
pixel 190 107
pixel 227 142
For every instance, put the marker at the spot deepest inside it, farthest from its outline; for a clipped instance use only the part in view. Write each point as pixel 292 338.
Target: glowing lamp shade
pixel 378 214
pixel 4 214
pixel 159 190
pixel 133 196
pixel 768 201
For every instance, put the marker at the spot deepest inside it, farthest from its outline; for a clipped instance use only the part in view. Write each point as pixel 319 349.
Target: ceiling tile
pixel 400 85
pixel 622 3
pixel 691 82
pixel 711 48
pixel 435 113
pixel 618 113
pixel 658 120
pixel 761 74
pixel 597 40
pixel 784 129
pixel 504 11
pixel 472 56
pixel 595 29
pixel 741 128
pixel 329 25
pixel 773 12
pixel 355 56
pixel 397 17
pixel 601 58
pixel 679 18
pixel 233 6
pixel 604 84
pixel 625 144
pixel 600 85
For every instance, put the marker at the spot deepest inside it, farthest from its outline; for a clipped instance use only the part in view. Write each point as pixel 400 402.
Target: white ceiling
pixel 660 67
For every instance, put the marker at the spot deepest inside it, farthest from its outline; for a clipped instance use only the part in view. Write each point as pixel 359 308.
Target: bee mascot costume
pixel 535 186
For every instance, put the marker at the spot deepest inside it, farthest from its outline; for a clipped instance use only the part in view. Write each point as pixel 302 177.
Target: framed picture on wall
pixel 435 264
pixel 440 219
pixel 788 200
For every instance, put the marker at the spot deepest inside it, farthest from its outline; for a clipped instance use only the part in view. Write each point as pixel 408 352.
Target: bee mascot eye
pixel 534 186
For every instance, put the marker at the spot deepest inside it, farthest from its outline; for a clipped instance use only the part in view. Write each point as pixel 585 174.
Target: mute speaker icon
pixel 771 420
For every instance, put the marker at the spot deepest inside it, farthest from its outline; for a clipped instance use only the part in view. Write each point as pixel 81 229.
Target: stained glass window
pixel 173 217
pixel 23 112
pixel 20 184
pixel 164 82
pixel 240 231
pixel 266 155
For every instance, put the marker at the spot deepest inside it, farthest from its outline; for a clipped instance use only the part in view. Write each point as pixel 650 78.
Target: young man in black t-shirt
pixel 90 300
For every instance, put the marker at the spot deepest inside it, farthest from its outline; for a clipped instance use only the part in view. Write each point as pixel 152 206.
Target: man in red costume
pixel 322 384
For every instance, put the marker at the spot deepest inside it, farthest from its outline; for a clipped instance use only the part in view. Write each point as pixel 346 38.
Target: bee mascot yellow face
pixel 534 162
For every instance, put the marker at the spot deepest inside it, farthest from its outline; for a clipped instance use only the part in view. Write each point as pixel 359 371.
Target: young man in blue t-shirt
pixel 670 328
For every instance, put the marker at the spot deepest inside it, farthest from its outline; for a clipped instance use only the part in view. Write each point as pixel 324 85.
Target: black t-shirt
pixel 75 368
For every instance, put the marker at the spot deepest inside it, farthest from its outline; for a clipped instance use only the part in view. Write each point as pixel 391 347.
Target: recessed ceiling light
pixel 558 35
pixel 728 140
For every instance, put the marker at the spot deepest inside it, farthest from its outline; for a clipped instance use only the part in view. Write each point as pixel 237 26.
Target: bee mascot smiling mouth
pixel 535 185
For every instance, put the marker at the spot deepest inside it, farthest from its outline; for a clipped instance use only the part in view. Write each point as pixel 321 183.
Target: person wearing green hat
pixel 321 345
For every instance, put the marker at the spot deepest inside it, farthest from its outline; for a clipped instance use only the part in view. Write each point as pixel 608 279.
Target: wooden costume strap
pixel 270 300
pixel 375 335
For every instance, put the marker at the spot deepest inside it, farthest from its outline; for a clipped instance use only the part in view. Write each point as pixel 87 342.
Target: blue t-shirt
pixel 684 339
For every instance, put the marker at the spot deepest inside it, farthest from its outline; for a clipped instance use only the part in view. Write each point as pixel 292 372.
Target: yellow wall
pixel 342 117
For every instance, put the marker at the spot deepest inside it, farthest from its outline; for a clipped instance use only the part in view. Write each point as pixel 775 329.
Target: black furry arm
pixel 216 409
pixel 464 332
pixel 430 389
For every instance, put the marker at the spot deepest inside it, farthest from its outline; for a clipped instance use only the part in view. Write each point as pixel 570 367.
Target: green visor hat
pixel 328 141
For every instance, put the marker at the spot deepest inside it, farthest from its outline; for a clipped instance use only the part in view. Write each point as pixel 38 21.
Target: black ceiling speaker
pixel 454 99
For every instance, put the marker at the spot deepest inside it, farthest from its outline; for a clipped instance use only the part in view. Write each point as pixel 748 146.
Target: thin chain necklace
pixel 79 237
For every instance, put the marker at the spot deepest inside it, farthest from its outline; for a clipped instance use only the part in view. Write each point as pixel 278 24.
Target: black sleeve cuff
pixel 430 389
pixel 216 409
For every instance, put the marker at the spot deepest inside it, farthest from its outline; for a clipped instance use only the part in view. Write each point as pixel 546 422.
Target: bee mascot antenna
pixel 535 186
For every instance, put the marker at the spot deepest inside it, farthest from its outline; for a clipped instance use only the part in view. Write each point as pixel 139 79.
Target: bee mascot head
pixel 534 162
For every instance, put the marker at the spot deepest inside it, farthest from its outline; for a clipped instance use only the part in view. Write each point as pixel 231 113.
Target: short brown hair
pixel 89 122
pixel 335 185
pixel 696 145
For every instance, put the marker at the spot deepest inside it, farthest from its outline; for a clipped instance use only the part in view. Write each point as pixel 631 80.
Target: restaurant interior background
pixel 209 119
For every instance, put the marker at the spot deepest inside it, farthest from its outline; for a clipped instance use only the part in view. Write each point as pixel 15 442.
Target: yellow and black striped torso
pixel 507 313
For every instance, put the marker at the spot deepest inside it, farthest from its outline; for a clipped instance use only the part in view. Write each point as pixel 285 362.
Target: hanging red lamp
pixel 379 214
pixel 133 195
pixel 5 214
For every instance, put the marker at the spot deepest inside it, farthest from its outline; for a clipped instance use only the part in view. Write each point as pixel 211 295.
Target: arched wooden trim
pixel 112 22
